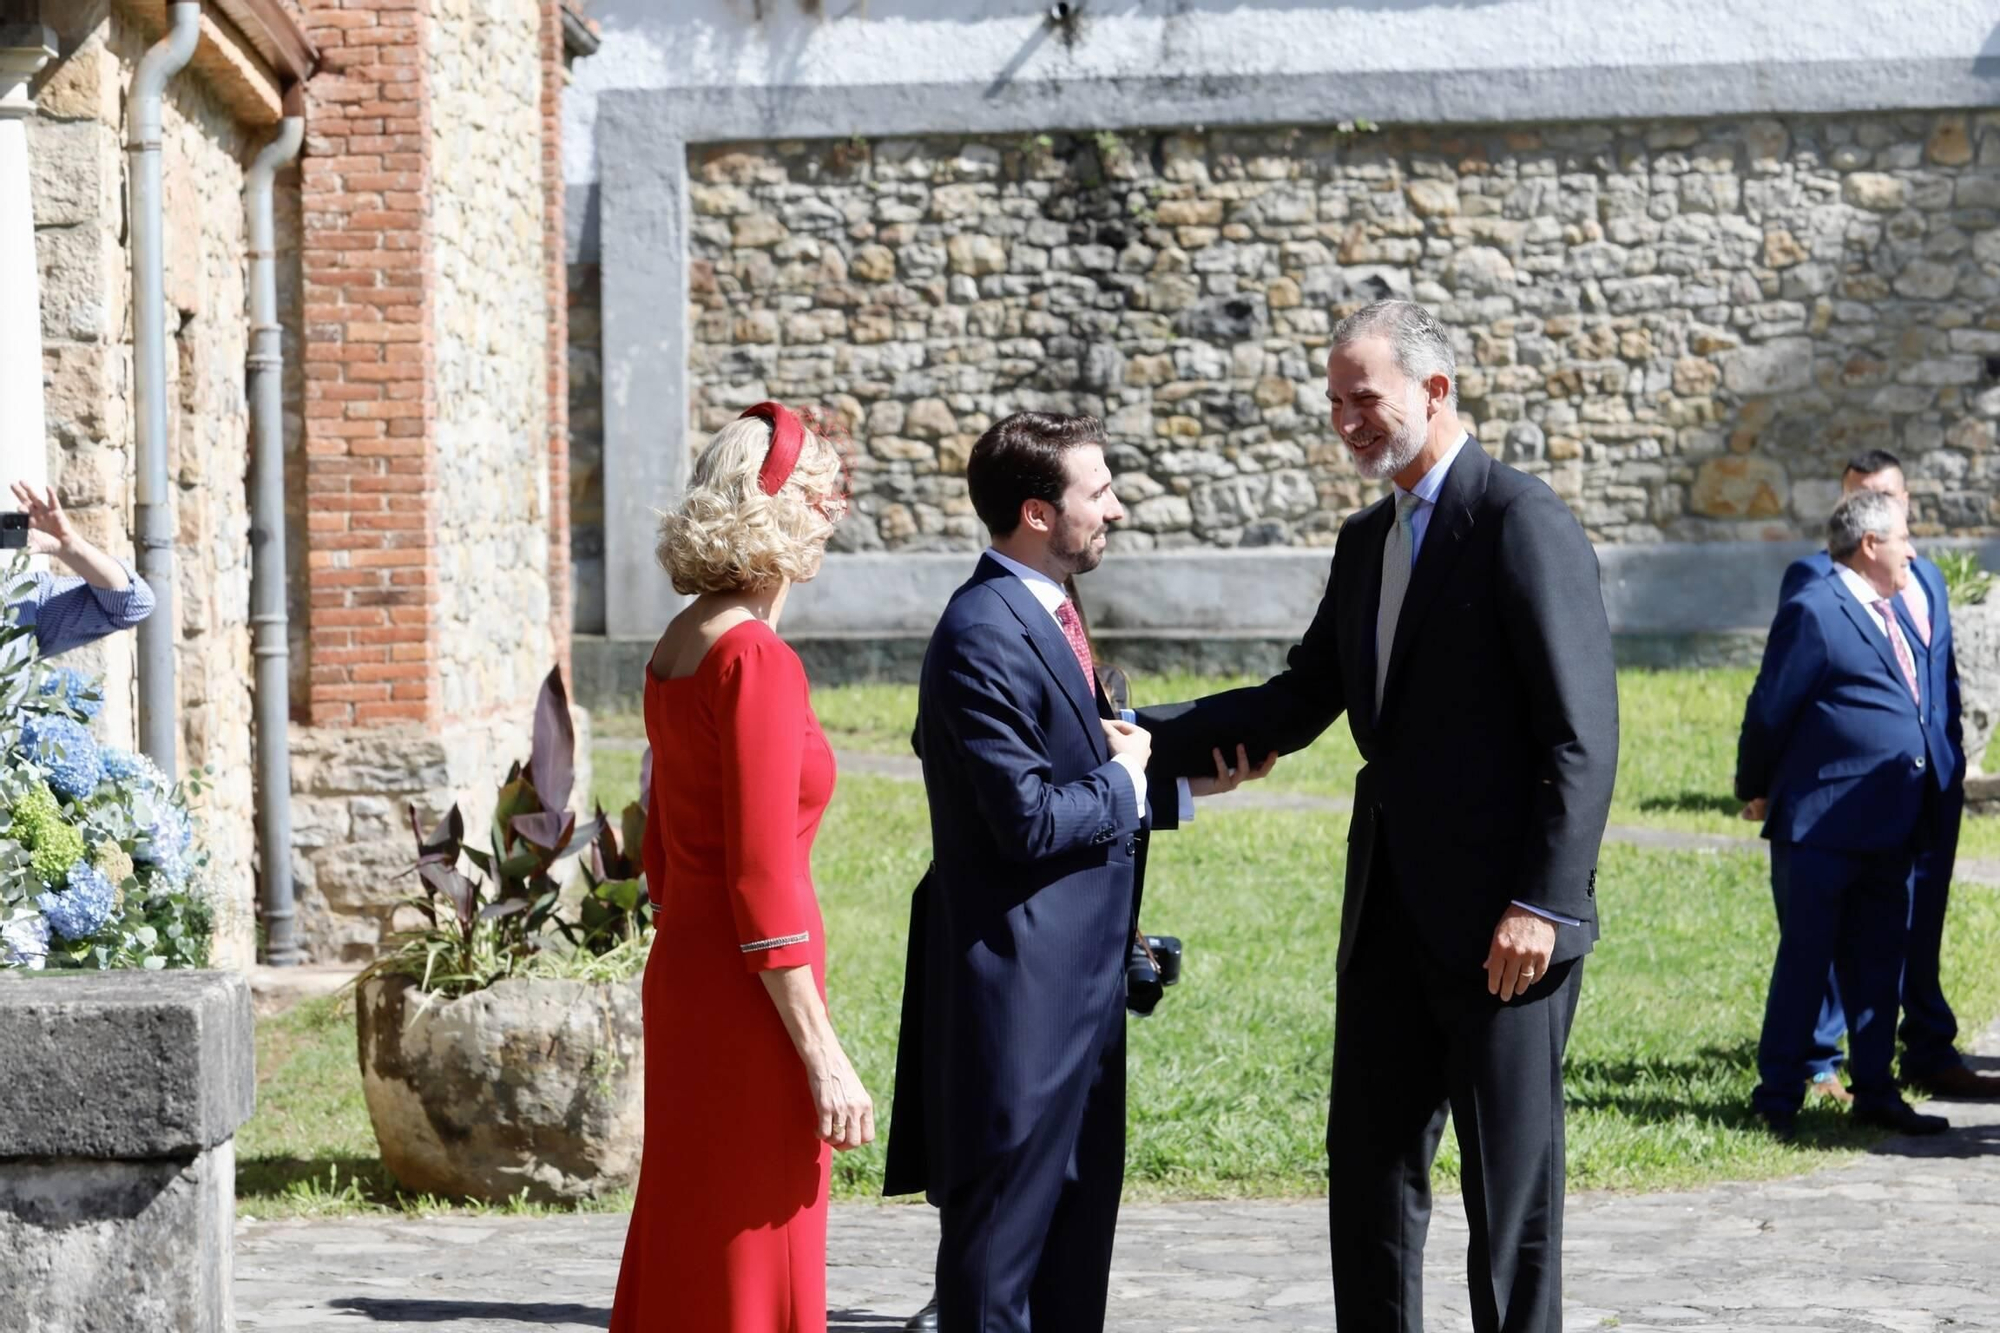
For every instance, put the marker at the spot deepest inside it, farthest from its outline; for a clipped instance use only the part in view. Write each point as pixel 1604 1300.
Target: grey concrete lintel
pixel 126 1065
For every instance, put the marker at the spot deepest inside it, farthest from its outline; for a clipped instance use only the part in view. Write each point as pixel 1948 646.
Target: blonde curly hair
pixel 728 536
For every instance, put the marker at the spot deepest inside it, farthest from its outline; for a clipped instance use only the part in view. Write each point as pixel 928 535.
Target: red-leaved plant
pixel 478 930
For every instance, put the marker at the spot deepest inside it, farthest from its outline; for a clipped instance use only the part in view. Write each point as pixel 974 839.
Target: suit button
pixel 1131 846
pixel 1920 763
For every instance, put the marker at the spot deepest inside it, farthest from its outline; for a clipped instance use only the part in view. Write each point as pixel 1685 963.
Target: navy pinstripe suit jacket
pixel 1019 955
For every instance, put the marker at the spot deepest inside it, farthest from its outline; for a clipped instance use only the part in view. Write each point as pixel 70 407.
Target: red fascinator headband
pixel 788 437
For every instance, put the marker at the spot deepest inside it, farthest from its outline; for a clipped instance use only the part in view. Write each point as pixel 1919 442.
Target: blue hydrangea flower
pixel 165 843
pixel 65 752
pixel 77 690
pixel 82 909
pixel 24 942
pixel 128 766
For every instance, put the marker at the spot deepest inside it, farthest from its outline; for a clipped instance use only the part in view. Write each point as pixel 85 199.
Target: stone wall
pixel 76 148
pixel 490 330
pixel 1684 327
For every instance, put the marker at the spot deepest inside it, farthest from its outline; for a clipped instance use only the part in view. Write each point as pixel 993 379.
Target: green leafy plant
pixel 615 908
pixel 1964 580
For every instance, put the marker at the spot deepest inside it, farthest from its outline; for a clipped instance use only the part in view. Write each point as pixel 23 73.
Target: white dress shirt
pixel 1862 591
pixel 1051 595
pixel 1426 490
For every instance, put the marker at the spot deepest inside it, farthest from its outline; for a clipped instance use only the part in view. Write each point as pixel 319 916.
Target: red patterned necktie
pixel 1072 628
pixel 1887 610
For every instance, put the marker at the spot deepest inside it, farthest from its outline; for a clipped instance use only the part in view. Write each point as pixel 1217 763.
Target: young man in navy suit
pixel 1931 1061
pixel 1838 743
pixel 1039 809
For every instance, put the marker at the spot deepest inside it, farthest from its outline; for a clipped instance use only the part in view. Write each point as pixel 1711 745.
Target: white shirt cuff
pixel 1137 770
pixel 1184 800
pixel 1547 915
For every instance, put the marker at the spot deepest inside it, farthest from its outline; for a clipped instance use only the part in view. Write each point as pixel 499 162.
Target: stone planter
pixel 527 1085
pixel 118 1114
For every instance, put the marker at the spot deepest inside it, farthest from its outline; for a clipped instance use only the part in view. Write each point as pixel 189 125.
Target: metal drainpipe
pixel 267 542
pixel 158 725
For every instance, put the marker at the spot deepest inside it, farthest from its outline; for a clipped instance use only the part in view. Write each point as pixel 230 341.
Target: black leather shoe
pixel 924 1320
pixel 1899 1116
pixel 1784 1127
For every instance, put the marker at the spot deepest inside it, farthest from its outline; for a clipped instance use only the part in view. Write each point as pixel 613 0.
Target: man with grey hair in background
pixel 1837 745
pixel 1463 633
pixel 1931 1060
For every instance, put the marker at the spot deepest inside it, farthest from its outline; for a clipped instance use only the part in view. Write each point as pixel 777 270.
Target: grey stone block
pixel 118 1247
pixel 124 1064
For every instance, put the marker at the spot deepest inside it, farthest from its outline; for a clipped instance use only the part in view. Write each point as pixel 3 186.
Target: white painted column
pixel 24 449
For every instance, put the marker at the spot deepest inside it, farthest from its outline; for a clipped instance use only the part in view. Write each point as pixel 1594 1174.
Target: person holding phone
pixel 101 595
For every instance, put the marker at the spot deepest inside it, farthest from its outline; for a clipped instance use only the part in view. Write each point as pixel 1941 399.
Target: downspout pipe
pixel 267 542
pixel 158 723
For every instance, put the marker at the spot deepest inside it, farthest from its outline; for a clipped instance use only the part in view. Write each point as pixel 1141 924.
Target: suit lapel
pixel 1444 538
pixel 1871 629
pixel 1370 534
pixel 1046 637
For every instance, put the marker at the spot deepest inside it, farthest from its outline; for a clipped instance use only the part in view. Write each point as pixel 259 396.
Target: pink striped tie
pixel 1887 610
pixel 1079 643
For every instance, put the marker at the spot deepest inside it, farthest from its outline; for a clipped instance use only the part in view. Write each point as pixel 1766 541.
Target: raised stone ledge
pixel 125 1065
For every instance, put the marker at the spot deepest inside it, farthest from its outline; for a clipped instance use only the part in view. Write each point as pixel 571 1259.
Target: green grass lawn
pixel 1228 1080
pixel 1676 764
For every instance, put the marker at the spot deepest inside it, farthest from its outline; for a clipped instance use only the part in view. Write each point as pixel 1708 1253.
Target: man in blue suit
pixel 1039 811
pixel 1931 1061
pixel 1837 742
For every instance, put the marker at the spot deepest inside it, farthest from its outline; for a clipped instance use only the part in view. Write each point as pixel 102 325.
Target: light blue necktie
pixel 1396 561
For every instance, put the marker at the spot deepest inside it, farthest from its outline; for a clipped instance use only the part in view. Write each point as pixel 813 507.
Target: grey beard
pixel 1397 454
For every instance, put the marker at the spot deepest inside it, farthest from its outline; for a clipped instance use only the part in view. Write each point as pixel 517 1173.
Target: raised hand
pixel 48 527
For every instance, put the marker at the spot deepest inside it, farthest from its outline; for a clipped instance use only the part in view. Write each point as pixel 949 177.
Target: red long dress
pixel 728 1232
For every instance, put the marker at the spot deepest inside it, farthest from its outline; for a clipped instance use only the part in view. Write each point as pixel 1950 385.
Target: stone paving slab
pixel 1906 1240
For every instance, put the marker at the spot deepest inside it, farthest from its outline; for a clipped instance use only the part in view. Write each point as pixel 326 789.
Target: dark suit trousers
pixel 1413 1040
pixel 1849 910
pixel 1930 1029
pixel 1026 1243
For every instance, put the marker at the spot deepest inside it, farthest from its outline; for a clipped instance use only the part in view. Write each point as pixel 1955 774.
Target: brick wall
pixel 370 576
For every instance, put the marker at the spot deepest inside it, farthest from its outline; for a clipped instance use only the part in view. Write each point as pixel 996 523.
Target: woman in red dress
pixel 747 1087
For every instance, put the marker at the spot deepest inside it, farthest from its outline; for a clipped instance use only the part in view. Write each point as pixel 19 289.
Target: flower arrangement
pixel 99 863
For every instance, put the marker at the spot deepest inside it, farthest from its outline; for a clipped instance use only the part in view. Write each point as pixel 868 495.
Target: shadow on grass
pixel 347 1178
pixel 1692 803
pixel 1710 1086
pixel 545 1313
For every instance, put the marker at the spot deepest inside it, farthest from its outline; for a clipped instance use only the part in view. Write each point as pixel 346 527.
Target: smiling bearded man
pixel 1464 636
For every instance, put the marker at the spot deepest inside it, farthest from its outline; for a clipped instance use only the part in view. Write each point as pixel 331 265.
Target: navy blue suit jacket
pixel 1831 737
pixel 1938 664
pixel 1029 903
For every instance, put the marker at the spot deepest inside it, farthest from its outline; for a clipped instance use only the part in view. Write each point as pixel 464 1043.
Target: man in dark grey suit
pixel 1464 635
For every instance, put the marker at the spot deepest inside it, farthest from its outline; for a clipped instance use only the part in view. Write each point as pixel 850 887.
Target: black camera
pixel 1152 963
pixel 13 529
